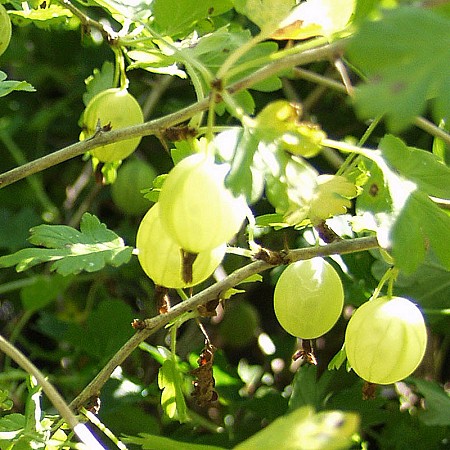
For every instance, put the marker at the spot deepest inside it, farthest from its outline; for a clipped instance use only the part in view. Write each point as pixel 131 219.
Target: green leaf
pixel 303 429
pixel 214 48
pixel 338 359
pixel 11 426
pixel 308 389
pixel 152 442
pixel 105 331
pixel 403 75
pixel 423 168
pixel 50 16
pixel 100 80
pixel 267 14
pixel 407 220
pixel 180 20
pixel 6 87
pixel 242 179
pixel 15 226
pixel 130 9
pixel 71 251
pixel 316 18
pixel 437 403
pixel 172 398
pixel 44 290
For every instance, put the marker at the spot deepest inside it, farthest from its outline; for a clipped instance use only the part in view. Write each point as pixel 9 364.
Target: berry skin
pixel 386 339
pixel 197 209
pixel 133 176
pixel 5 29
pixel 114 108
pixel 308 298
pixel 160 256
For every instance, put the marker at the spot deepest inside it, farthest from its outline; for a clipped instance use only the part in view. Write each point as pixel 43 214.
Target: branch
pixel 155 127
pixel 53 395
pixel 212 292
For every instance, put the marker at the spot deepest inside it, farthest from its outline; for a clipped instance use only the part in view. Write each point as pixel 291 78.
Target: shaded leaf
pixel 44 290
pixel 308 389
pixel 437 403
pixel 403 75
pixel 71 251
pixel 106 330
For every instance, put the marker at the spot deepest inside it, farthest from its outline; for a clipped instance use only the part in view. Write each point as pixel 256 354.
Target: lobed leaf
pixel 180 20
pixel 172 398
pixel 407 220
pixel 70 250
pixel 403 75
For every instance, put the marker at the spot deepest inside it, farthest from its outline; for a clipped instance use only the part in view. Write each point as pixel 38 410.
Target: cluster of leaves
pixel 72 297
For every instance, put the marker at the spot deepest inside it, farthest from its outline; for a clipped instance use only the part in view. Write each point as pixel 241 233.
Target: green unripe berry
pixel 386 339
pixel 115 108
pixel 133 176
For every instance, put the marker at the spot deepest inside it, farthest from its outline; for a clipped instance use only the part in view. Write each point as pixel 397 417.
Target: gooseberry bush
pixel 225 224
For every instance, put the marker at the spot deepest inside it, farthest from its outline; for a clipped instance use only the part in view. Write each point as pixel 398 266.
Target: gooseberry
pixel 160 256
pixel 133 176
pixel 199 212
pixel 308 298
pixel 115 108
pixel 386 339
pixel 5 29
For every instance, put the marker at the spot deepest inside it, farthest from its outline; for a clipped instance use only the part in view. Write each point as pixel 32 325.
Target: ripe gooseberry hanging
pixel 197 209
pixel 115 108
pixel 386 339
pixel 308 298
pixel 160 256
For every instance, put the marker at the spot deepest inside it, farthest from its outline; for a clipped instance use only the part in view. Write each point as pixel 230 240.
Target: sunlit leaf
pixel 50 16
pixel 8 86
pixel 267 14
pixel 303 429
pixel 180 20
pixel 71 251
pixel 316 18
pixel 100 80
pixel 152 442
pixel 172 398
pixel 408 221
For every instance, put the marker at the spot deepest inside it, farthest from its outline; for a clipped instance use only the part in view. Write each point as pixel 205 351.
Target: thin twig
pixel 53 395
pixel 108 34
pixel 156 126
pixel 212 292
